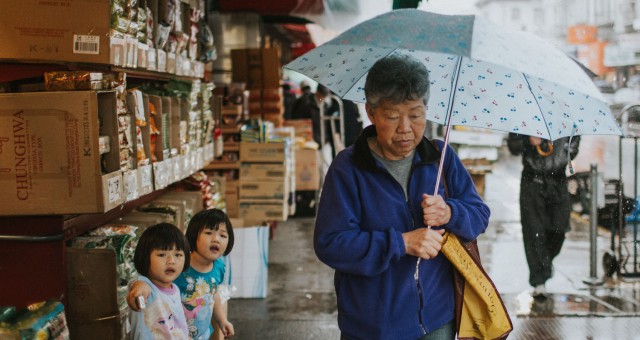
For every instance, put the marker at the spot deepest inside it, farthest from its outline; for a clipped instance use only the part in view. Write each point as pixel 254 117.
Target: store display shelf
pixel 222 165
pixel 231 146
pixel 230 130
pixel 14 69
pixel 75 225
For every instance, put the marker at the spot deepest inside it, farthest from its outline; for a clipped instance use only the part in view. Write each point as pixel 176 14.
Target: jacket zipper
pixel 416 275
pixel 413 221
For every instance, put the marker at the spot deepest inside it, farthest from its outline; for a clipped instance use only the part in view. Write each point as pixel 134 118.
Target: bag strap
pixel 472 249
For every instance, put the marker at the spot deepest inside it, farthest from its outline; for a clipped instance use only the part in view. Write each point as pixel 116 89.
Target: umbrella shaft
pixel 448 122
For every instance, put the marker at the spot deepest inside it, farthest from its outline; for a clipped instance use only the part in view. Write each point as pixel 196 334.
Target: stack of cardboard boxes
pixel 60 151
pixel 307 167
pixel 265 181
pixel 259 69
pixel 104 32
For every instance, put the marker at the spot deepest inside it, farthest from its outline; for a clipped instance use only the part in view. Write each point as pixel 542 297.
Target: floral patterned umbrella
pixel 482 75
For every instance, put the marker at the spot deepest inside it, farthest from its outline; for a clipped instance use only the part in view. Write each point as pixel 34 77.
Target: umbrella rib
pixel 538 104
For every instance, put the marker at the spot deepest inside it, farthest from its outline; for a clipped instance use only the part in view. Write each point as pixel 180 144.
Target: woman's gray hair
pixel 397 78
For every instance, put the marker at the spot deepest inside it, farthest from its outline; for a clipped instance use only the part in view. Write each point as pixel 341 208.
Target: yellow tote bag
pixel 483 313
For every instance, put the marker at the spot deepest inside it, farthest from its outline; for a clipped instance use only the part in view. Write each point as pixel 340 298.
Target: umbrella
pixel 481 74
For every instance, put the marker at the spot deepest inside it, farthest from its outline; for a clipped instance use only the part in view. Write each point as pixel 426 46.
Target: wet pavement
pixel 301 302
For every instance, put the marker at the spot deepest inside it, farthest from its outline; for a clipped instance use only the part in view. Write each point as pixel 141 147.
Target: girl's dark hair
pixel 162 236
pixel 210 219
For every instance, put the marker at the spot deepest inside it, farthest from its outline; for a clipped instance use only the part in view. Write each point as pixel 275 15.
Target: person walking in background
pixel 307 106
pixel 377 215
pixel 288 99
pixel 352 122
pixel 545 205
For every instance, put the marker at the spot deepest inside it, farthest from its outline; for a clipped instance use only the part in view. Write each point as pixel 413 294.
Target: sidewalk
pixel 300 303
pixel 607 311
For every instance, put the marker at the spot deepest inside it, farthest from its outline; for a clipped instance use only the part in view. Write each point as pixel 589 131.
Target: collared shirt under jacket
pixel 362 214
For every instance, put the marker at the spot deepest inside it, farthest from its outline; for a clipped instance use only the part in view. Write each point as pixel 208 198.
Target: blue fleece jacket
pixel 358 232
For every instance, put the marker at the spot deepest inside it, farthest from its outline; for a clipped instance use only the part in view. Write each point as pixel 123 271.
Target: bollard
pixel 593 280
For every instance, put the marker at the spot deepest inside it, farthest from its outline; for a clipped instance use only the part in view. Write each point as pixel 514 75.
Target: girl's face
pixel 165 266
pixel 212 243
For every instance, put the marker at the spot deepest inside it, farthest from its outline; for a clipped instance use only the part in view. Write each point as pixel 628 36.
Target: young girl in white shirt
pixel 162 254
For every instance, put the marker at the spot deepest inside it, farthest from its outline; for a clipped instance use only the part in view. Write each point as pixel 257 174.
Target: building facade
pixel 603 34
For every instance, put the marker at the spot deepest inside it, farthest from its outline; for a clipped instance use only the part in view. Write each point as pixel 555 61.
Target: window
pixel 538 16
pixel 515 14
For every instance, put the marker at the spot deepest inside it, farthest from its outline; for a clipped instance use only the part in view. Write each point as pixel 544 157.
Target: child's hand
pixel 227 329
pixel 137 288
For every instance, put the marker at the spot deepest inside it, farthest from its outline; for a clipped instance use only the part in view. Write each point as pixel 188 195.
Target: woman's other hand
pixel 423 242
pixel 435 210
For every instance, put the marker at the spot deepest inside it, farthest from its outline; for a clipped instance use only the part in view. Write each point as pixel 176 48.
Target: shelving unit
pixel 229 117
pixel 34 247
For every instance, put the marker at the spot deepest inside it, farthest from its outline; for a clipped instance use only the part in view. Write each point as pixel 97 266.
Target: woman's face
pixel 400 127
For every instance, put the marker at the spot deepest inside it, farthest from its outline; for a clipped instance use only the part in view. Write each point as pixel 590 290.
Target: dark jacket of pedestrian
pixel 545 204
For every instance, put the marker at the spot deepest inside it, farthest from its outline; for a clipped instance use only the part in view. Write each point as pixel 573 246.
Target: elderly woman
pixel 377 215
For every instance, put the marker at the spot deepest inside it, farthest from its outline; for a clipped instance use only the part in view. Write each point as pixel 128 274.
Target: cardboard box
pixel 161 174
pixel 49 158
pixel 257 67
pixel 145 179
pixel 74 31
pixel 263 152
pixel 263 171
pixel 143 56
pixel 250 189
pixel 92 298
pixel 162 60
pixel 171 63
pixel 258 211
pixel 303 128
pixel 232 198
pixel 131 187
pixel 307 169
pixel 152 59
pixel 247 267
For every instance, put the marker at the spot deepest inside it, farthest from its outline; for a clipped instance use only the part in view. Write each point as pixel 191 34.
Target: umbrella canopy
pixel 481 74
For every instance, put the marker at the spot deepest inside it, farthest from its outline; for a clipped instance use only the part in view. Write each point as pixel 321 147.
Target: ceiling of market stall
pixel 288 19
